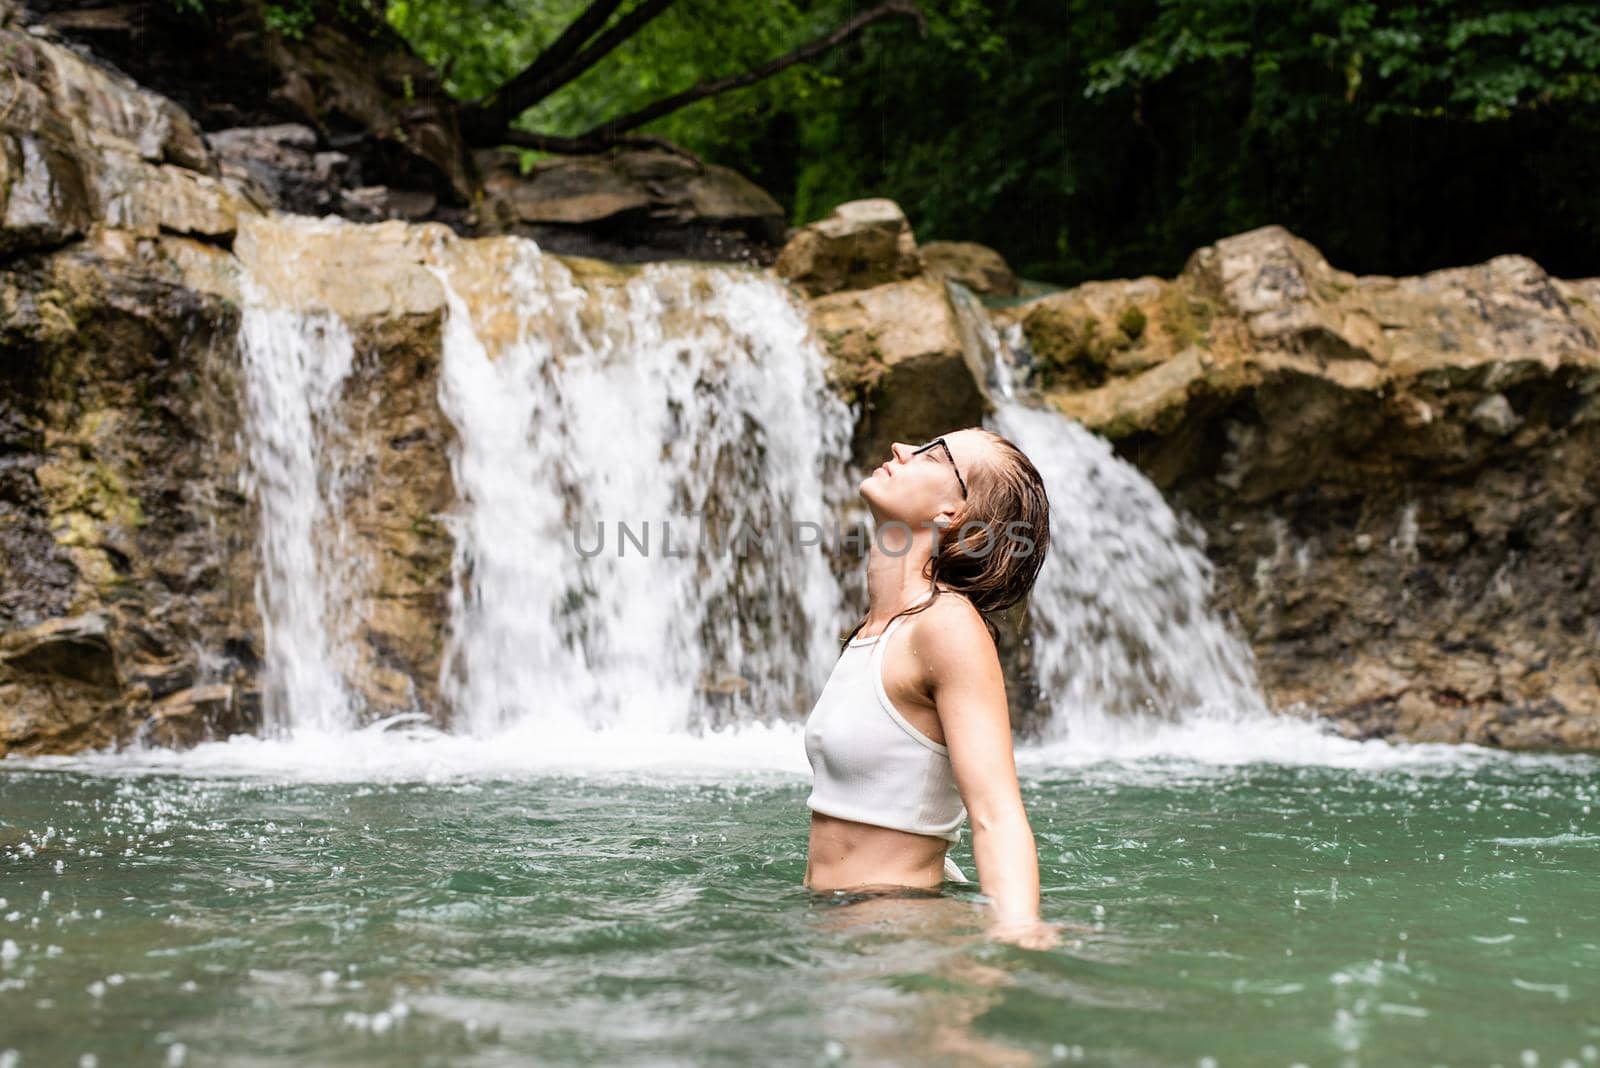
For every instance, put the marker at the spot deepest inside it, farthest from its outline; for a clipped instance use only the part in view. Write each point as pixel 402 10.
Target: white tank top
pixel 869 764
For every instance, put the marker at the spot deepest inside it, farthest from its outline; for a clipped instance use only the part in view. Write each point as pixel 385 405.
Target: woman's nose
pixel 898 450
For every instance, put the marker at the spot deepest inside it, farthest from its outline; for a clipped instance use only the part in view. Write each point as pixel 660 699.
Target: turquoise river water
pixel 184 910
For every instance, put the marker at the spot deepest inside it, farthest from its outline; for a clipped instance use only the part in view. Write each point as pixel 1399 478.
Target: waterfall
pixel 294 363
pixel 614 434
pixel 1124 636
pixel 643 462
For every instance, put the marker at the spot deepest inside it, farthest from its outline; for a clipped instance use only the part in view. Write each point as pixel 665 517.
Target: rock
pixel 58 686
pixel 631 205
pixel 75 648
pixel 370 202
pixel 1285 293
pixel 366 275
pixel 1493 415
pixel 42 195
pixel 571 191
pixel 1394 475
pixel 896 350
pixel 1081 338
pixel 284 166
pixel 149 201
pixel 80 143
pixel 188 717
pixel 978 267
pixel 1155 400
pixel 103 107
pixel 863 243
pixel 352 79
pixel 116 474
pixel 336 81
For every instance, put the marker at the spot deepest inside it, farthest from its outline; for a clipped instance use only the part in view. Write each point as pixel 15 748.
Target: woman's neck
pixel 894 582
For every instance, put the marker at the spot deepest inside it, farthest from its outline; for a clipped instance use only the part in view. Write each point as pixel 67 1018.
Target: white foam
pixel 411 753
pixel 427 755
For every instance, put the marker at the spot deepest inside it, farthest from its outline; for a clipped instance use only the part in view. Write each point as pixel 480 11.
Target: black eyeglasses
pixel 949 456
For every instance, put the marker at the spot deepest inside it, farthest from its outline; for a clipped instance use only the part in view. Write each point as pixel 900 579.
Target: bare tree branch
pixel 825 43
pixel 492 114
pixel 489 121
pixel 602 46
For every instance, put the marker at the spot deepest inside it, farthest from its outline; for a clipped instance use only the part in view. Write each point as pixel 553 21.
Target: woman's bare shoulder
pixel 953 644
pixel 951 616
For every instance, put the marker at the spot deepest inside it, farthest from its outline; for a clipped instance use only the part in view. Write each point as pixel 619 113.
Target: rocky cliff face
pixel 1394 475
pixel 122 532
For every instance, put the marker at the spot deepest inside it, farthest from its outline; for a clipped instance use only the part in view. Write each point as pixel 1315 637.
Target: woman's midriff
pixel 846 855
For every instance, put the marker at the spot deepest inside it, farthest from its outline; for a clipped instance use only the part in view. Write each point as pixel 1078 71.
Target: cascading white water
pixel 630 405
pixel 1124 634
pixel 295 362
pixel 632 451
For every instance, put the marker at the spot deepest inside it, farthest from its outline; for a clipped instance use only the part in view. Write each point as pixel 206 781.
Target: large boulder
pixel 897 352
pixel 863 243
pixel 631 205
pixel 978 267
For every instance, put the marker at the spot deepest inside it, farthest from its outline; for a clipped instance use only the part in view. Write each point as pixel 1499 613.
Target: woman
pixel 912 733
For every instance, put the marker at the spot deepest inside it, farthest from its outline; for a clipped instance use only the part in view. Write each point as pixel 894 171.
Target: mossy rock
pixel 1071 348
pixel 1185 317
pixel 1132 322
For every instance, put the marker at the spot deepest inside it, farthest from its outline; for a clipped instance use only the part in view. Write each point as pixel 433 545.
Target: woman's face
pixel 918 483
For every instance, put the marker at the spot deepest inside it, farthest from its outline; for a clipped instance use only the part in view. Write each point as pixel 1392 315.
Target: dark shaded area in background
pixel 1129 182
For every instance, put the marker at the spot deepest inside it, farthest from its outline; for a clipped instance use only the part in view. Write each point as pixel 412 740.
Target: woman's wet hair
pixel 992 551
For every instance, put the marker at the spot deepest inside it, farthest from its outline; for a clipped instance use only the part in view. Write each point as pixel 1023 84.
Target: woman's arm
pixel 964 677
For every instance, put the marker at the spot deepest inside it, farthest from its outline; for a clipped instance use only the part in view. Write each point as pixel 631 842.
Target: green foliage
pixel 1472 59
pixel 1087 140
pixel 480 44
pixel 1090 140
pixel 290 19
